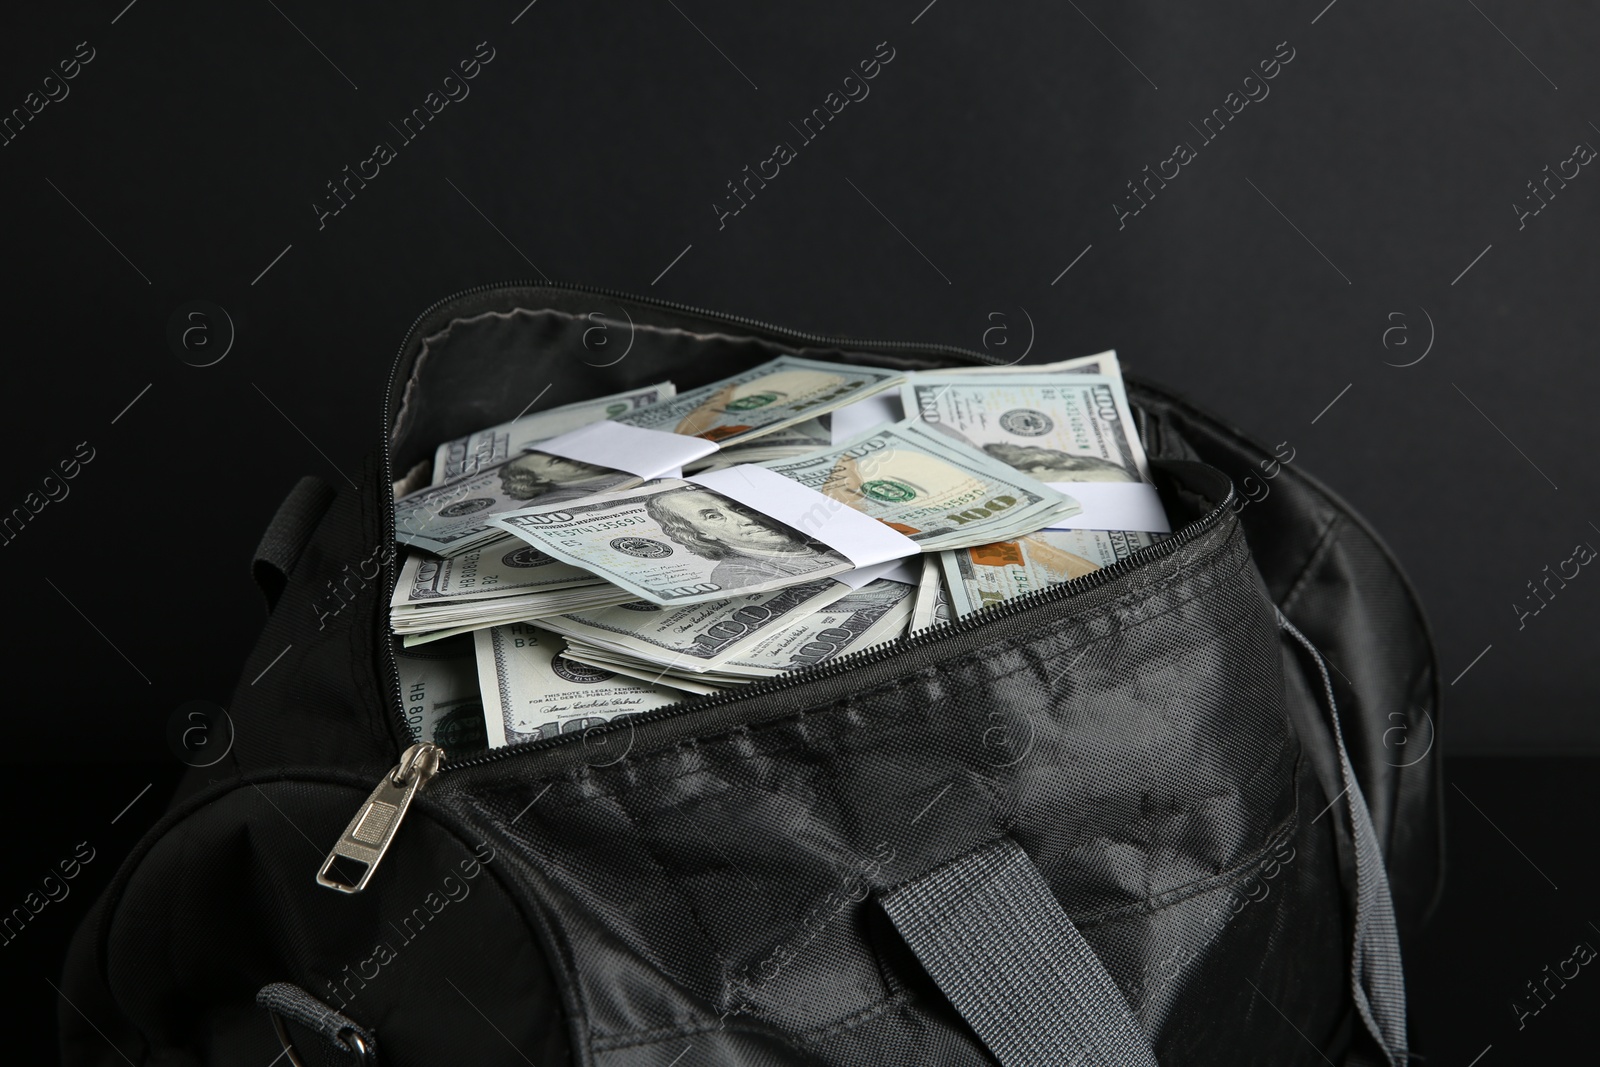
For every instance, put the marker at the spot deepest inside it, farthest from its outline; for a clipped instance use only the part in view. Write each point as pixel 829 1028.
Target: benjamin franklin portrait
pixel 748 547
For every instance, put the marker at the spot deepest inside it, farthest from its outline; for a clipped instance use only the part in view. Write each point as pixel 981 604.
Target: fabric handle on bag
pixel 288 534
pixel 1377 979
pixel 336 1040
pixel 994 939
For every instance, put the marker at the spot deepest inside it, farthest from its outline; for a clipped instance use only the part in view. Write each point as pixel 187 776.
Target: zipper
pixel 366 839
pixel 830 669
pixel 371 830
pixel 877 653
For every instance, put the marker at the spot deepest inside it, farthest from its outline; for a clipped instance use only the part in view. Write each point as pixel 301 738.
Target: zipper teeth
pixel 391 564
pixel 879 652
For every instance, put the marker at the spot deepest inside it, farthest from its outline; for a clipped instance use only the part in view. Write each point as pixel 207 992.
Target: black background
pixel 1359 216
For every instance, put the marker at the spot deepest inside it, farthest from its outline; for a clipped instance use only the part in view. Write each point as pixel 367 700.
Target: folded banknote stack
pixel 616 555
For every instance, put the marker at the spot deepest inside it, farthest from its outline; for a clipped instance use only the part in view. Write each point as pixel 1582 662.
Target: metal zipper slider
pixel 362 845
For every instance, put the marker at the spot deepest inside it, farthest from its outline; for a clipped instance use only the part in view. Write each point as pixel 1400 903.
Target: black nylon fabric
pixel 288 534
pixel 310 693
pixel 1377 977
pixel 1332 577
pixel 220 905
pixel 698 885
pixel 712 882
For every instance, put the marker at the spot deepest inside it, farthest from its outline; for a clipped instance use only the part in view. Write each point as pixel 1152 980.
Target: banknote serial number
pixel 557 518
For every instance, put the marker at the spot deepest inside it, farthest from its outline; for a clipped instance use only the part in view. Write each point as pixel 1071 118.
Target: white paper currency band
pixel 893 571
pixel 905 572
pixel 614 445
pixel 853 420
pixel 1113 506
pixel 861 540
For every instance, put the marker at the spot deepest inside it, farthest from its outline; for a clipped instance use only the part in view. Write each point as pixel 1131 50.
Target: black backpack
pixel 1178 810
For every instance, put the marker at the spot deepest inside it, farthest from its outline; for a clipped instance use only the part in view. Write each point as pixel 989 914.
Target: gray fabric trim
pixel 997 943
pixel 1377 979
pixel 288 534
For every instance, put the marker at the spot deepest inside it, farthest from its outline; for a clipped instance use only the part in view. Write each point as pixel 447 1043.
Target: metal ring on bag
pixel 357 1046
pixel 352 1041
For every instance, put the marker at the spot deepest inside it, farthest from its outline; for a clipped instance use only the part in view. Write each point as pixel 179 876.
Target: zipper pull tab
pixel 362 845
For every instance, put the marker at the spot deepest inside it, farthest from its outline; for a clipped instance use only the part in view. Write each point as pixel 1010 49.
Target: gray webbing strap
pixel 288 534
pixel 1377 979
pixel 993 938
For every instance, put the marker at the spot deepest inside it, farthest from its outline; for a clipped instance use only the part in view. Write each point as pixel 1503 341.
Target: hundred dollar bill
pixel 936 491
pixel 796 440
pixel 672 542
pixel 696 637
pixel 531 692
pixel 764 399
pixel 1065 428
pixel 452 518
pixel 421 625
pixel 424 626
pixel 439 691
pixel 863 415
pixel 487 448
pixel 932 604
pixel 875 613
pixel 638 670
pixel 1100 363
pixel 988 574
pixel 503 567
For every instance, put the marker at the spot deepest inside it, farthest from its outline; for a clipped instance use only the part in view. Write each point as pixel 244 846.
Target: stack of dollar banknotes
pixel 557 577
